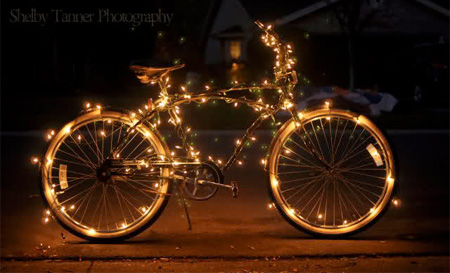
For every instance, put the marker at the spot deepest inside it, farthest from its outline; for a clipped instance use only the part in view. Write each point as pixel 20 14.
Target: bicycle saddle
pixel 147 73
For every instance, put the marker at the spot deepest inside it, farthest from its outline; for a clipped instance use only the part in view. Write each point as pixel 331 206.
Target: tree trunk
pixel 351 63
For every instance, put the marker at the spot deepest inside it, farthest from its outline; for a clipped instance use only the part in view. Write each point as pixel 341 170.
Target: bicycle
pixel 109 174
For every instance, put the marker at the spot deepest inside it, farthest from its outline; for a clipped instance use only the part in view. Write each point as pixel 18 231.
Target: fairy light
pixel 396 202
pixel 34 160
pixel 92 231
pixel 98 106
pixel 270 206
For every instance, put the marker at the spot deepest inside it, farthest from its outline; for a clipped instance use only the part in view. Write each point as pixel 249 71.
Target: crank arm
pixel 202 182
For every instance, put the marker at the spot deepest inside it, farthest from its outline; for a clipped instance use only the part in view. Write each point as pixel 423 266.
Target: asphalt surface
pixel 407 238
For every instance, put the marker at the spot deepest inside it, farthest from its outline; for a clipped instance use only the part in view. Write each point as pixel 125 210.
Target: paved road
pixel 243 228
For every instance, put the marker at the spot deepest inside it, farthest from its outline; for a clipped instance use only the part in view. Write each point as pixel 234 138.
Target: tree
pixel 352 22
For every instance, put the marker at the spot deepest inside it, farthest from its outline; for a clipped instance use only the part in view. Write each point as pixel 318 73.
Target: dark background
pixel 49 71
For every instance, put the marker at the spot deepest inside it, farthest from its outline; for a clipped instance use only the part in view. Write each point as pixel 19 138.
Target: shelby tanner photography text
pixel 42 18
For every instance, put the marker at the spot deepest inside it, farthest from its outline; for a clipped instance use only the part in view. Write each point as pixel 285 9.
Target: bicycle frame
pixel 285 81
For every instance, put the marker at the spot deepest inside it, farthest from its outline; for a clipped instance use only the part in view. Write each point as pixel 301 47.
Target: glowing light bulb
pixel 98 106
pixel 396 202
pixel 102 133
pixel 46 220
pixel 270 206
pixel 240 162
pixel 390 179
pixel 345 222
pixel 320 216
pixel 275 182
pixel 92 231
pixel 263 161
pixel 87 105
pixel 34 160
pixel 156 185
pixel 72 207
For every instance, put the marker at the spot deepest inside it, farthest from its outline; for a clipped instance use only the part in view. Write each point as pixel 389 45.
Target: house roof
pixel 232 32
pixel 439 6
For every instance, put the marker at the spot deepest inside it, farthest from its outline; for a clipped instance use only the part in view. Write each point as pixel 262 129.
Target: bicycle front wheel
pixel 332 174
pixel 95 203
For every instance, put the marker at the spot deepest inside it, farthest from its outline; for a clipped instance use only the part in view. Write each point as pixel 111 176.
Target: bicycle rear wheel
pixel 86 199
pixel 331 175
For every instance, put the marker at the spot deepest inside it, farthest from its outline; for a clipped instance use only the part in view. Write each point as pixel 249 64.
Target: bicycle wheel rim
pixel 345 226
pixel 61 212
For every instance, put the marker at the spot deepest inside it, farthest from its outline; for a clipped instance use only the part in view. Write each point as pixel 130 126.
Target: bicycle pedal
pixel 234 189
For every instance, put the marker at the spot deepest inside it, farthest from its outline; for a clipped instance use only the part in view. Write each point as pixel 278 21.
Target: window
pixel 235 50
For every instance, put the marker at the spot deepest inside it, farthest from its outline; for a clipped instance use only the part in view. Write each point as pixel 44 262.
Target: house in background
pixel 395 27
pixel 228 28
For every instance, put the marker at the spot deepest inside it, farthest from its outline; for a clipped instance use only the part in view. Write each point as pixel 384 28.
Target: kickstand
pixel 186 212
